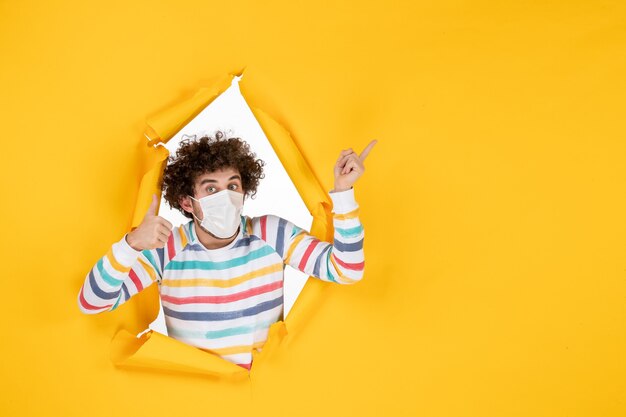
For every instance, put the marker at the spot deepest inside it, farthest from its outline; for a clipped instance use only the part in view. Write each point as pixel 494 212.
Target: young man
pixel 220 275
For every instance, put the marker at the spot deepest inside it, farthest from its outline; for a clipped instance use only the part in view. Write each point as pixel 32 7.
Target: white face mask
pixel 221 212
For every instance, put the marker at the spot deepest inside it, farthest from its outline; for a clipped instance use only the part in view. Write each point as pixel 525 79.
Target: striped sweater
pixel 224 300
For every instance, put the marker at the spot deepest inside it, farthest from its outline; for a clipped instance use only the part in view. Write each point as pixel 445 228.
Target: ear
pixel 186 204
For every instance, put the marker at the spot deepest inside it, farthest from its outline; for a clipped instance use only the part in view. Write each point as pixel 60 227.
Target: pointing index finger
pixel 367 150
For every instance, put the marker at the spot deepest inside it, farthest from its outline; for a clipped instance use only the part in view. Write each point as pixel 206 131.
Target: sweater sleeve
pixel 121 273
pixel 341 262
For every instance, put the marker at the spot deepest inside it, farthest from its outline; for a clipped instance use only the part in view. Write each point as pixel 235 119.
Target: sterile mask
pixel 221 212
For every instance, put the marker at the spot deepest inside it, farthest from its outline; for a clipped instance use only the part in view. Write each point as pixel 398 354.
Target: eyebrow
pixel 204 181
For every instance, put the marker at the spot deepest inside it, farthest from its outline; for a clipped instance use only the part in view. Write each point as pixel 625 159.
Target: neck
pixel 211 241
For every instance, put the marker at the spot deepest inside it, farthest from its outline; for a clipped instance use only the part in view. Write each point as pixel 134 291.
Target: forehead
pixel 219 176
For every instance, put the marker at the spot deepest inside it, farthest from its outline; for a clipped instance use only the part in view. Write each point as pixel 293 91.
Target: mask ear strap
pixel 192 212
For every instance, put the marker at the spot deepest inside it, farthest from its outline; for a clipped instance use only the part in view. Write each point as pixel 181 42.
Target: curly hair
pixel 208 154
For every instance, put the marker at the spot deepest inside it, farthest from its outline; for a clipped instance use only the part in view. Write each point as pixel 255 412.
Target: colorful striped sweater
pixel 224 300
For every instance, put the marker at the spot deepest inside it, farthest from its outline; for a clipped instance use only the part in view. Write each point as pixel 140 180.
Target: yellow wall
pixel 493 203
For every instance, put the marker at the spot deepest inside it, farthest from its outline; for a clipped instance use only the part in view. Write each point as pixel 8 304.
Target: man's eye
pixel 234 186
pixel 210 189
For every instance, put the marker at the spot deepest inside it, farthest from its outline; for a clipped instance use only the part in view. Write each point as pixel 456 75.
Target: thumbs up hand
pixel 153 231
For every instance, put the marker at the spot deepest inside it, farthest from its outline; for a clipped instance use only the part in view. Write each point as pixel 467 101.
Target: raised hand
pixel 153 231
pixel 349 167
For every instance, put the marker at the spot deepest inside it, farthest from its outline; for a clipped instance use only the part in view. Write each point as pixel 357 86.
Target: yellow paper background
pixel 493 204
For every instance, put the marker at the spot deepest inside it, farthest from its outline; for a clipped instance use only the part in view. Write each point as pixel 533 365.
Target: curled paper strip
pixel 159 352
pixel 154 350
